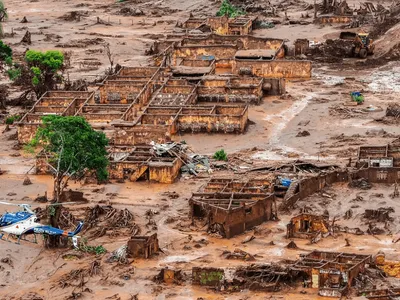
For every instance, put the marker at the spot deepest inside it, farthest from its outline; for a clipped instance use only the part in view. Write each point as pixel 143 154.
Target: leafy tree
pixel 5 51
pixel 227 9
pixel 44 67
pixel 73 149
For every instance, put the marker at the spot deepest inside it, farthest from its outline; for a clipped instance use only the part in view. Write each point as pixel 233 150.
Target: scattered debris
pixel 303 133
pixel 238 254
pixel 361 183
pixel 248 239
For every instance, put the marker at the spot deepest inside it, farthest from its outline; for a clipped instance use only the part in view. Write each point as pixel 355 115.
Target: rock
pixel 11 194
pixel 24 20
pixel 27 181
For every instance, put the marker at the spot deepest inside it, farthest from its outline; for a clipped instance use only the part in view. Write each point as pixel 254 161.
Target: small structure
pixel 143 246
pixel 307 226
pixel 169 276
pixel 301 46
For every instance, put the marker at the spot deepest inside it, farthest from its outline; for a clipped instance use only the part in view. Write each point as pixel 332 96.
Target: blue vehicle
pixel 25 222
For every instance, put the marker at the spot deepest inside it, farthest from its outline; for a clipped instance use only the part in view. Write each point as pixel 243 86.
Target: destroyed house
pixel 306 226
pixel 332 273
pixel 231 207
pixel 143 246
pixel 220 25
pixel 237 55
pixel 141 163
pixel 387 156
pixel 381 294
pixel 61 103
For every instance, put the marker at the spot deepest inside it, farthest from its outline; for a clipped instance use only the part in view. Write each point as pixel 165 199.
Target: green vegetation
pixel 227 9
pixel 5 51
pixel 221 155
pixel 73 149
pixel 11 119
pixel 98 250
pixel 14 73
pixel 44 66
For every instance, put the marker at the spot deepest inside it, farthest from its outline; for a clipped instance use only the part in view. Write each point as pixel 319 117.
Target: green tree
pixel 44 67
pixel 5 51
pixel 73 150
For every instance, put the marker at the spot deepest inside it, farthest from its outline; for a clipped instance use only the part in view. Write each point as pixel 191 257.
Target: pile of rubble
pixel 102 220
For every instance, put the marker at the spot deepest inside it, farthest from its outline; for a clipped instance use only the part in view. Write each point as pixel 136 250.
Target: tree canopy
pixel 73 148
pixel 44 67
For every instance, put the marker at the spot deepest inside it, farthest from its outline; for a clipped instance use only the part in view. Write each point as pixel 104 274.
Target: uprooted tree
pixel 73 150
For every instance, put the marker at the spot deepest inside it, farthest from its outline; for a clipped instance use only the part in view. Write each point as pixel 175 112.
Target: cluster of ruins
pixel 207 77
pixel 203 83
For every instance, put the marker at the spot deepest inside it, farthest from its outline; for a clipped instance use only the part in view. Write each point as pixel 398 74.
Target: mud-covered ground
pixel 316 106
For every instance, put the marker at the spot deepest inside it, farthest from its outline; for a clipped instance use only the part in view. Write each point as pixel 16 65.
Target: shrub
pixel 14 73
pixel 5 51
pixel 227 9
pixel 11 119
pixel 221 155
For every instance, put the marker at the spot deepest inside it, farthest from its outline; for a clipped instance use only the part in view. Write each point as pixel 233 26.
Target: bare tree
pixel 110 56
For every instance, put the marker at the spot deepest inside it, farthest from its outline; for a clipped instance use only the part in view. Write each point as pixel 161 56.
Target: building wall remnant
pixel 139 134
pixel 290 69
pixel 334 19
pixel 386 156
pixel 307 226
pixel 301 46
pixel 62 103
pixel 143 246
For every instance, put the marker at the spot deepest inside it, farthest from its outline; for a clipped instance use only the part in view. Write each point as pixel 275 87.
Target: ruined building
pixel 230 207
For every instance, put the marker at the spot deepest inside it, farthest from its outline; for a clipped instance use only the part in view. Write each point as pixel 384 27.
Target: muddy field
pixel 334 133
